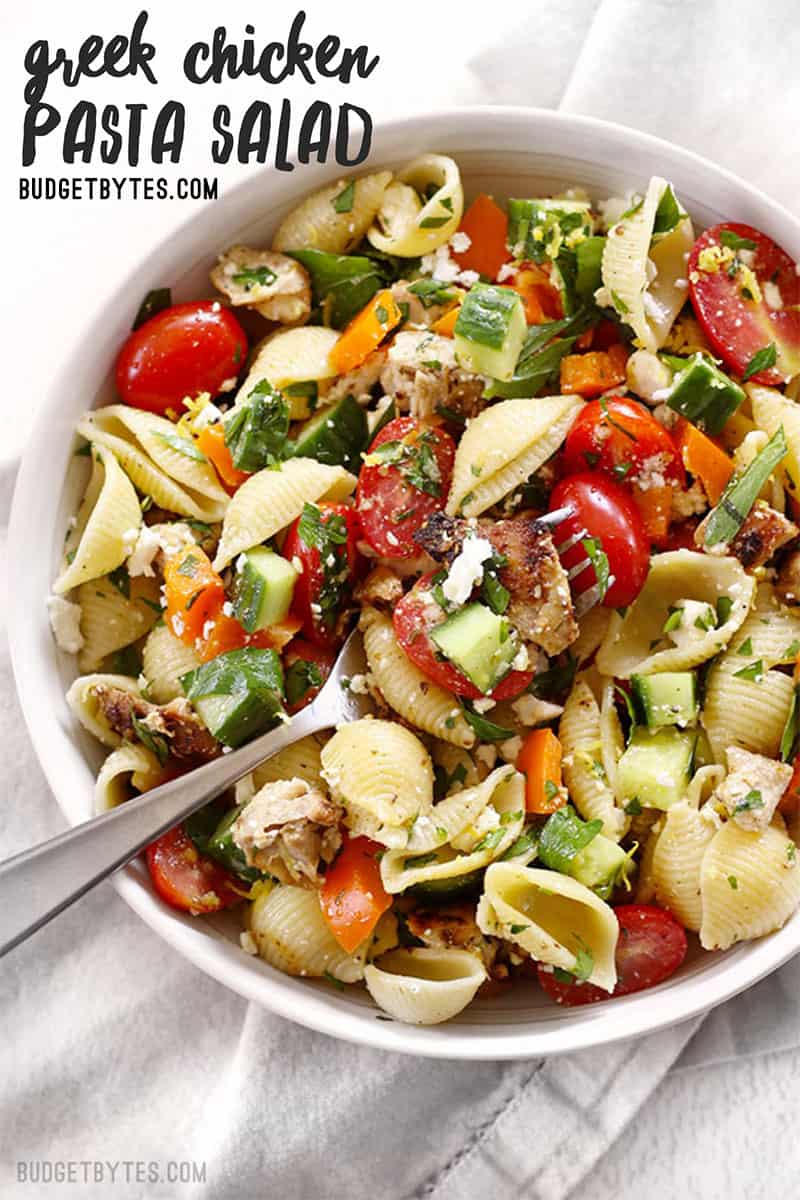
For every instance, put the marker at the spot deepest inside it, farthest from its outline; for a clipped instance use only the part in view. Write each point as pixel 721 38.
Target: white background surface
pixel 721 78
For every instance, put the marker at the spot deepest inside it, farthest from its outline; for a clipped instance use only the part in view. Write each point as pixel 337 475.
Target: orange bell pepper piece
pixel 447 323
pixel 195 593
pixel 353 897
pixel 211 441
pixel 541 299
pixel 540 760
pixel 704 458
pixel 592 374
pixel 655 506
pixel 365 332
pixel 486 225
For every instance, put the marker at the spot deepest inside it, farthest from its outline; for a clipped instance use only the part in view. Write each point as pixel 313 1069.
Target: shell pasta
pixel 537 455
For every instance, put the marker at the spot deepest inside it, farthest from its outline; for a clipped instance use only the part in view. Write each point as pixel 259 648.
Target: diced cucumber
pixel 490 330
pixel 656 766
pixel 238 694
pixel 669 698
pixel 701 392
pixel 448 889
pixel 335 436
pixel 263 589
pixel 589 257
pixel 600 865
pixel 479 643
pixel 537 229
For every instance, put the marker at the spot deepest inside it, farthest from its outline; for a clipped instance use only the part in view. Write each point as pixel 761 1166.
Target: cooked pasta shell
pixel 107 524
pixel 82 700
pixel 271 499
pixel 771 409
pixel 553 918
pixel 424 986
pixel 165 659
pixel 292 356
pixel 750 713
pixel 592 629
pixel 628 647
pixel 645 891
pixel 677 862
pixel 292 935
pixel 150 450
pixel 380 772
pixel 612 739
pixel 585 773
pixel 649 307
pixel 130 766
pixel 404 687
pixel 406 226
pixel 488 818
pixel 750 884
pixel 316 225
pixel 111 620
pixel 301 760
pixel 460 767
pixel 503 446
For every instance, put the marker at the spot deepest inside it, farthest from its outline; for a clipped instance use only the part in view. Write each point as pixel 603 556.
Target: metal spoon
pixel 39 883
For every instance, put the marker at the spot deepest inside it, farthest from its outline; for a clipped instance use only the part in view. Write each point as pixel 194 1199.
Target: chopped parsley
pixel 250 277
pixel 184 446
pixel 619 303
pixel 633 807
pixel 753 671
pixel 329 537
pixel 752 800
pixel 300 677
pixel 584 960
pixel 121 581
pixel 733 882
pixel 746 648
pixel 343 200
pixel 415 460
pixel 599 560
pixel 431 291
pixel 732 240
pixel 762 360
pixel 153 741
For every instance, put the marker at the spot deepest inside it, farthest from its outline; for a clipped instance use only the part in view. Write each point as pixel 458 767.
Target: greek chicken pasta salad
pixel 544 453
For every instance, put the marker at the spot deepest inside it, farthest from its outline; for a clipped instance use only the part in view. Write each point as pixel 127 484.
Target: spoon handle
pixel 39 883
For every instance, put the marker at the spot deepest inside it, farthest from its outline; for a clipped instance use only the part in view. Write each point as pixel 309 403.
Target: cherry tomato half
pixel 391 504
pixel 737 323
pixel 621 438
pixel 651 946
pixel 303 664
pixel 323 587
pixel 414 617
pixel 183 351
pixel 609 514
pixel 184 878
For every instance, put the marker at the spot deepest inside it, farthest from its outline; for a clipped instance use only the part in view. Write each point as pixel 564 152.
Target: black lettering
pixel 168 133
pixel 222 146
pixel 312 139
pixel 297 53
pixel 39 67
pixel 110 146
pixel 79 132
pixel 254 132
pixel 134 132
pixel 142 53
pixel 326 50
pixel 87 53
pixel 40 119
pixel 282 161
pixel 343 135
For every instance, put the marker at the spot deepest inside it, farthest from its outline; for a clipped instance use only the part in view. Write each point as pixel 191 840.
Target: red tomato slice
pixel 353 897
pixel 390 507
pixel 305 654
pixel 621 438
pixel 323 588
pixel 737 327
pixel 415 615
pixel 651 946
pixel 184 878
pixel 608 513
pixel 183 351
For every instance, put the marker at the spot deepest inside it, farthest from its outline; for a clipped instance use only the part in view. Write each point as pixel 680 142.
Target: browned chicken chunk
pixel 763 533
pixel 443 928
pixel 540 605
pixel 287 829
pixel 788 583
pixel 422 374
pixel 176 723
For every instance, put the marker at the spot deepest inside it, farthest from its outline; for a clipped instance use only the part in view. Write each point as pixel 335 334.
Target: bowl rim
pixel 593 1025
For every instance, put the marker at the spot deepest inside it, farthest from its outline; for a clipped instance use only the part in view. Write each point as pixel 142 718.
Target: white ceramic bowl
pixel 510 152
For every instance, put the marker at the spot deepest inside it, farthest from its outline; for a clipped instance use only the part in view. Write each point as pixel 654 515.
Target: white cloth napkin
pixel 115 1050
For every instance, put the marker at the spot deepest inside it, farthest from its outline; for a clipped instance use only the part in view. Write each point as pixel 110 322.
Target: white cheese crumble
pixel 140 560
pixel 510 748
pixel 484 704
pixel 466 569
pixel 772 295
pixel 441 266
pixel 533 711
pixel 753 787
pixel 487 755
pixel 460 242
pixel 65 622
pixel 359 685
pixel 248 942
pixel 209 415
pixel 129 539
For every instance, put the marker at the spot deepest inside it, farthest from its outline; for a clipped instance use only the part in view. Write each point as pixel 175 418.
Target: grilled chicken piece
pixel 418 314
pixel 381 588
pixel 763 533
pixel 360 381
pixel 177 723
pixel 788 583
pixel 443 928
pixel 287 829
pixel 273 284
pixel 540 605
pixel 422 374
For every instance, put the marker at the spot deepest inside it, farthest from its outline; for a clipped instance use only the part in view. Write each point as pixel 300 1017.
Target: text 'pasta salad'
pixel 545 454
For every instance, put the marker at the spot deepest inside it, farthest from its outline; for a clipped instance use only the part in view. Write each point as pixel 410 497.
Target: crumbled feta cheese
pixel 140 560
pixel 216 306
pixel 208 629
pixel 484 704
pixel 65 622
pixel 520 660
pixel 696 618
pixel 460 242
pixel 648 376
pixel 533 711
pixel 441 266
pixel 178 625
pixel 241 562
pixel 248 942
pixel 772 295
pixel 129 539
pixel 227 609
pixel 612 209
pixel 506 271
pixel 466 569
pixel 510 748
pixel 209 414
pixel 359 685
pixel 651 473
pixel 690 502
pixel 487 755
pixel 229 384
